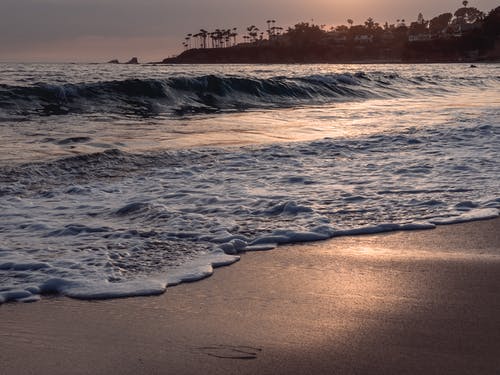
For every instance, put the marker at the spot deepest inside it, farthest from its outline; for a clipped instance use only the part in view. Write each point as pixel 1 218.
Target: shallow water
pixel 118 181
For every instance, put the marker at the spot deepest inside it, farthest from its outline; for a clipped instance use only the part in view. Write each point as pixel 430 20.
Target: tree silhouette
pixel 369 24
pixel 440 23
pixel 468 15
pixel 203 36
pixel 492 23
pixel 253 31
pixel 212 39
pixel 234 34
pixel 466 21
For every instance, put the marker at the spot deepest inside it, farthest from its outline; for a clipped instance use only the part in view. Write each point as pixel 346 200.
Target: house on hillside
pixel 419 37
pixel 363 38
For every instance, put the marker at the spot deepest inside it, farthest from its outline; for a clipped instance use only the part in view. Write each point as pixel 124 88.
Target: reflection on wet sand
pixel 422 302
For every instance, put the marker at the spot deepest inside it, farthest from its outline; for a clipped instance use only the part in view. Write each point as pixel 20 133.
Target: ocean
pixel 120 180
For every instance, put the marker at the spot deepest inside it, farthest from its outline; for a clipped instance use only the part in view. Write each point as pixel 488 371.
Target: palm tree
pixel 195 44
pixel 227 38
pixel 350 22
pixel 369 23
pixel 203 37
pixel 212 38
pixel 253 31
pixel 465 3
pixel 217 38
pixel 234 34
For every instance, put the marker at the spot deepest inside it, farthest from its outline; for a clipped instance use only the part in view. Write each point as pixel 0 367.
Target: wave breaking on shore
pixel 115 224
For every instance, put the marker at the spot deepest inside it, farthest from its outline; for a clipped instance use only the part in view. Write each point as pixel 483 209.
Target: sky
pixel 100 30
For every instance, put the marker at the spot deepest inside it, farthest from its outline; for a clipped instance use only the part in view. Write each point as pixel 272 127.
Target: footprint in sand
pixel 230 351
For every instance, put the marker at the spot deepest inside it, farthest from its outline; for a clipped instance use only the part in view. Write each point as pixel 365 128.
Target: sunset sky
pixel 98 30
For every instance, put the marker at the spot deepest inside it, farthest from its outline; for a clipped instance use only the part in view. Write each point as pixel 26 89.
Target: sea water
pixel 121 180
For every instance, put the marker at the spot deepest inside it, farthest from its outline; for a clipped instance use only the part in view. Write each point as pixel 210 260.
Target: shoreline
pixel 400 302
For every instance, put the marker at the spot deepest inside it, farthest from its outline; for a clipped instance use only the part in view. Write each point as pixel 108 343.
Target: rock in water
pixel 114 61
pixel 133 60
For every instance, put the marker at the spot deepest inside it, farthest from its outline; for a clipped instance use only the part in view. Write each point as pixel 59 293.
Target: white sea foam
pixel 95 236
pixel 473 214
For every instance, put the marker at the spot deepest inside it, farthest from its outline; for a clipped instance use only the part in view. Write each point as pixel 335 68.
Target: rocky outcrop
pixel 132 61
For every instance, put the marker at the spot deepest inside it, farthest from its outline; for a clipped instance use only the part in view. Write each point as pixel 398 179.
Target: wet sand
pixel 423 302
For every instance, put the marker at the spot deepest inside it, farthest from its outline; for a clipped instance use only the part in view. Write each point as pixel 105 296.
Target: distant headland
pixel 467 35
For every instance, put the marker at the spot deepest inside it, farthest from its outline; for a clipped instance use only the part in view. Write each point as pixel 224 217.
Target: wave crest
pixel 182 95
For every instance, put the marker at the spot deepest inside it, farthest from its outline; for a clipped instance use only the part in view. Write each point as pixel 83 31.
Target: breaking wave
pixel 128 221
pixel 181 95
pixel 116 224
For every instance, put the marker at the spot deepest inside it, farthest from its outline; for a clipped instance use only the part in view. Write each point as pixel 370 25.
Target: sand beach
pixel 418 302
